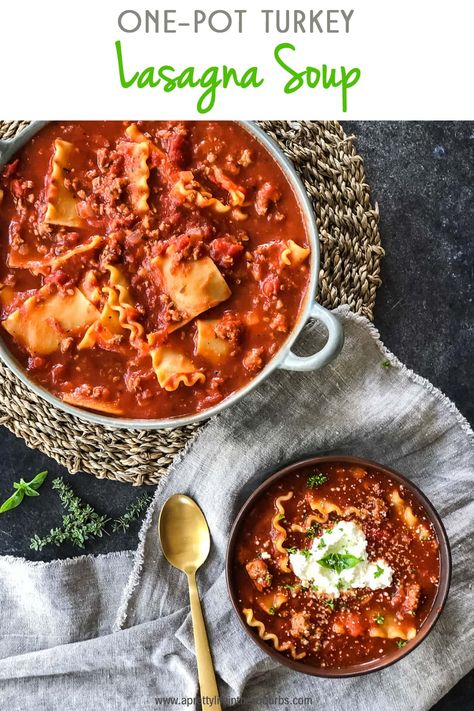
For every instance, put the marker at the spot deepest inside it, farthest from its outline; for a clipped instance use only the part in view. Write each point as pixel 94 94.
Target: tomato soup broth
pixel 149 269
pixel 336 565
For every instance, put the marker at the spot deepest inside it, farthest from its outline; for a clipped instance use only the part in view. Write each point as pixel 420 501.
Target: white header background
pixel 58 60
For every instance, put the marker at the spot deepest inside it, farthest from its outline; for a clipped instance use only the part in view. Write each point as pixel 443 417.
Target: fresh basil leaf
pixel 36 482
pixel 14 501
pixel 22 488
pixel 339 561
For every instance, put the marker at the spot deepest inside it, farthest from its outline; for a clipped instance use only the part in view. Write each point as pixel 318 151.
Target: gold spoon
pixel 185 540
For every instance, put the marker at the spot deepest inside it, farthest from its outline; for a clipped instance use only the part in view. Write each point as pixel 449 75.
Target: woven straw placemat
pixel 334 177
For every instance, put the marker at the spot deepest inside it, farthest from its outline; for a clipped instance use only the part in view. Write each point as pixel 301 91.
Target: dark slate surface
pixel 422 177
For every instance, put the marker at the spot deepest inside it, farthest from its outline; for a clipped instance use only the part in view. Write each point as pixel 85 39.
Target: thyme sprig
pixel 132 513
pixel 82 522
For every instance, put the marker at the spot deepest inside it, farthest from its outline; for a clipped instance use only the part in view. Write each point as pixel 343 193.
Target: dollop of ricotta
pixel 344 544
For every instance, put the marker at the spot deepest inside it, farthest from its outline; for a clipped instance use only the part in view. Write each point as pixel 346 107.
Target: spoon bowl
pixel 184 533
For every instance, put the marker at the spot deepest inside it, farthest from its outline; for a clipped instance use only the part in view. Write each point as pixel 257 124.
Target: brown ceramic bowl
pixel 438 603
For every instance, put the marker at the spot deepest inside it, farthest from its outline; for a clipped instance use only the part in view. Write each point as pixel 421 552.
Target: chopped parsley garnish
pixel 316 479
pixel 313 530
pixel 340 585
pixel 378 572
pixel 271 611
pixel 339 561
pixel 330 603
pixel 289 587
pixel 315 588
pixel 292 550
pixel 386 364
pixel 401 643
pixel 379 619
pixel 306 553
pixel 281 517
pixel 268 580
pixel 321 543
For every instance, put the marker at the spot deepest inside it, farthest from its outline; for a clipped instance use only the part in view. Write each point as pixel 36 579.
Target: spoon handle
pixel 207 678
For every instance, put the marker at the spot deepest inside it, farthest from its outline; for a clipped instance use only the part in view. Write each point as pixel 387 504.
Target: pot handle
pixel 330 349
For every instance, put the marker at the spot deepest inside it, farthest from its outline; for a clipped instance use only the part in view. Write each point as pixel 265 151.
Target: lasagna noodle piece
pixel 117 317
pixel 405 513
pixel 208 345
pixel 37 266
pixel 391 629
pixel 281 534
pixel 134 134
pixel 190 191
pixel 307 523
pixel 173 368
pixel 120 300
pixel 90 286
pixel 105 331
pixel 236 192
pixel 61 203
pixel 7 296
pixel 193 286
pixel 272 601
pixel 92 403
pixel 293 255
pixel 270 636
pixel 42 322
pixel 322 517
pixel 137 172
pixel 323 509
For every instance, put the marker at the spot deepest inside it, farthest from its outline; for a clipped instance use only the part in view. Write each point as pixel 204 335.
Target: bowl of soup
pixel 338 566
pixel 153 273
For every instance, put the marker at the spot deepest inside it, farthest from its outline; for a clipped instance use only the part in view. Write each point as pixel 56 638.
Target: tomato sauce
pixel 236 207
pixel 359 624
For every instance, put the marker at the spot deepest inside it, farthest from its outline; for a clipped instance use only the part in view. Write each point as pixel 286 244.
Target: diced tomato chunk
pixel 223 251
pixel 267 194
pixel 259 574
pixel 10 169
pixel 16 187
pixel 349 623
pixel 36 362
pixel 59 277
pixel 271 285
pixel 377 534
pixel 178 148
pixel 412 598
pixel 300 625
pixel 406 599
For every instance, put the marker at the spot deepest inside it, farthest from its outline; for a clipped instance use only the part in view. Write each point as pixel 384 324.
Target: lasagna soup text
pixel 336 566
pixel 148 269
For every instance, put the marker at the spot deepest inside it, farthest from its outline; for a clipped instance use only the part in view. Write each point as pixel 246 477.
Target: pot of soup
pixel 154 272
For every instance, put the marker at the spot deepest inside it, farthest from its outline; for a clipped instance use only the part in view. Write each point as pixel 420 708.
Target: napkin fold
pixel 114 632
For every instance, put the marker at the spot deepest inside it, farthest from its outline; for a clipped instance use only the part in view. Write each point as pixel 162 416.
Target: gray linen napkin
pixel 76 635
